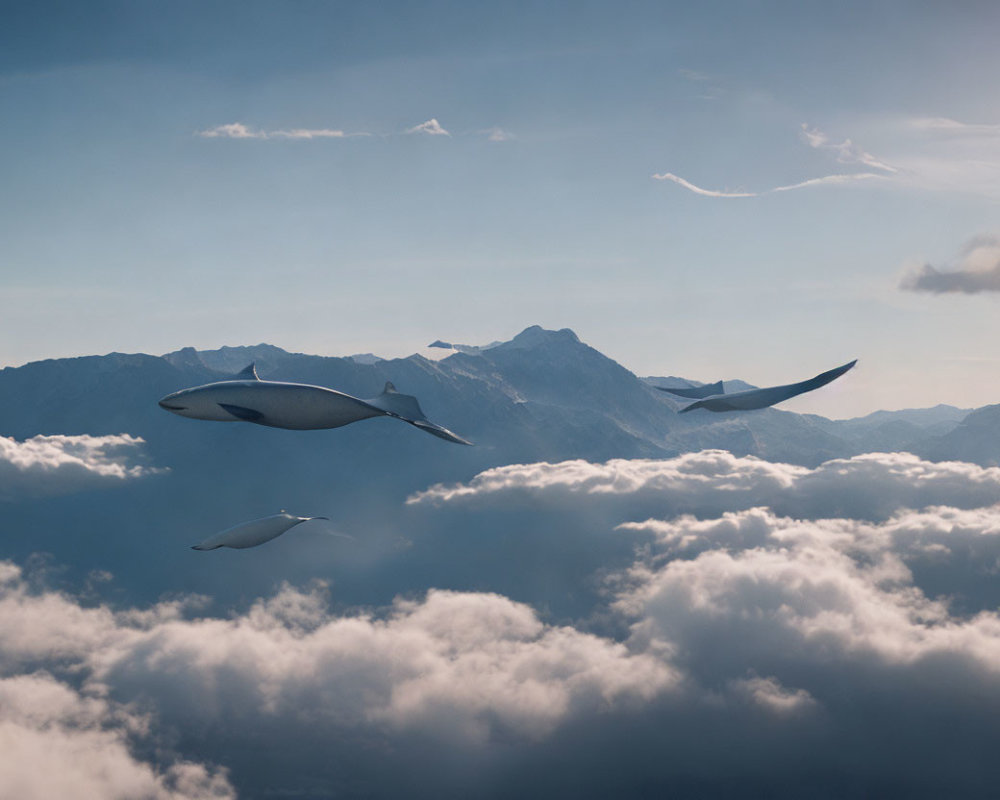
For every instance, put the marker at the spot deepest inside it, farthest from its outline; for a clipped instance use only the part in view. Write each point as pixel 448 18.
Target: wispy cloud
pixel 233 130
pixel 669 176
pixel 839 179
pixel 952 126
pixel 830 179
pixel 846 151
pixel 976 270
pixel 237 130
pixel 432 128
pixel 496 134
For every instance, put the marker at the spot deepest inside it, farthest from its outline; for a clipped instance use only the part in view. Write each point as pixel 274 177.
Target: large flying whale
pixel 297 406
pixel 762 398
pixel 253 533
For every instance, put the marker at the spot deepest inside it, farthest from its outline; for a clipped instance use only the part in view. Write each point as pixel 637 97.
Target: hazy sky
pixel 345 177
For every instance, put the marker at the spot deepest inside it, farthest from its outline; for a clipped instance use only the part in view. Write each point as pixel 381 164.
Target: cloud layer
pixel 51 465
pixel 776 628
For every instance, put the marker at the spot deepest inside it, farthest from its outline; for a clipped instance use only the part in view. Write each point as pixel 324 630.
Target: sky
pixel 727 190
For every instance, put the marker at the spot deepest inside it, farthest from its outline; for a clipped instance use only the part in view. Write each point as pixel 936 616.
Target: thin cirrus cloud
pixel 976 270
pixel 826 179
pixel 845 152
pixel 239 130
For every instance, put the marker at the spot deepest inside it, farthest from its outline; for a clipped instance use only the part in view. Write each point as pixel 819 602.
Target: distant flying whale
pixel 762 398
pixel 297 406
pixel 253 533
pixel 693 392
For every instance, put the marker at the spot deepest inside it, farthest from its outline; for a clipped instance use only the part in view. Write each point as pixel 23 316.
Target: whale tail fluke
pixel 405 407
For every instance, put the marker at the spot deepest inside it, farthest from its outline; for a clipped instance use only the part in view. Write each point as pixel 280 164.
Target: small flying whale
pixel 253 533
pixel 762 398
pixel 297 406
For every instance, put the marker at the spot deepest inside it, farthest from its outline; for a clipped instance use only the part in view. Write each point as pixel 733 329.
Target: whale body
pixel 253 533
pixel 762 398
pixel 297 406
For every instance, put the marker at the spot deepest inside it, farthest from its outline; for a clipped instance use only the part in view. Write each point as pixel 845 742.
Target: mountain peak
pixel 536 336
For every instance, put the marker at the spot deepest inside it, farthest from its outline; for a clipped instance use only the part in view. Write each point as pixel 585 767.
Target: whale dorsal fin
pixel 249 373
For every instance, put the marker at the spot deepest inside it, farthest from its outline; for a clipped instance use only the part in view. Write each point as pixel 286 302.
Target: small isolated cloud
pixel 976 270
pixel 51 465
pixel 307 133
pixel 771 695
pixel 497 134
pixel 237 130
pixel 234 130
pixel 432 128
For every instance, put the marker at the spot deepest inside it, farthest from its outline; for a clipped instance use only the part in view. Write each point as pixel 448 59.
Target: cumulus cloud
pixel 869 486
pixel 432 128
pixel 61 742
pixel 774 627
pixel 976 270
pixel 51 465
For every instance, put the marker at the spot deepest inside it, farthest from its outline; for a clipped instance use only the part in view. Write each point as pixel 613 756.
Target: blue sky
pixel 326 216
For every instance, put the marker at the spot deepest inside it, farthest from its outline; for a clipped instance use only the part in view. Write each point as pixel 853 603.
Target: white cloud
pixel 869 486
pixel 59 742
pixel 954 127
pixel 237 130
pixel 432 128
pixel 49 465
pixel 840 180
pixel 497 134
pixel 846 151
pixel 830 179
pixel 669 176
pixel 769 693
pixel 234 130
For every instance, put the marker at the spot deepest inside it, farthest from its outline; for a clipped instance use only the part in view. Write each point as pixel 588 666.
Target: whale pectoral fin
pixel 243 413
pixel 436 430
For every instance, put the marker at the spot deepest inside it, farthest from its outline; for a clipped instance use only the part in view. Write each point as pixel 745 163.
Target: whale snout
pixel 170 403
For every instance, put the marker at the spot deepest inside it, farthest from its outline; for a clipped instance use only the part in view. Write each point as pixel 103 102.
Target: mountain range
pixel 542 396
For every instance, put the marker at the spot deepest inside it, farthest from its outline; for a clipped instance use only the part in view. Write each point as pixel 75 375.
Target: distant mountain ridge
pixel 542 396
